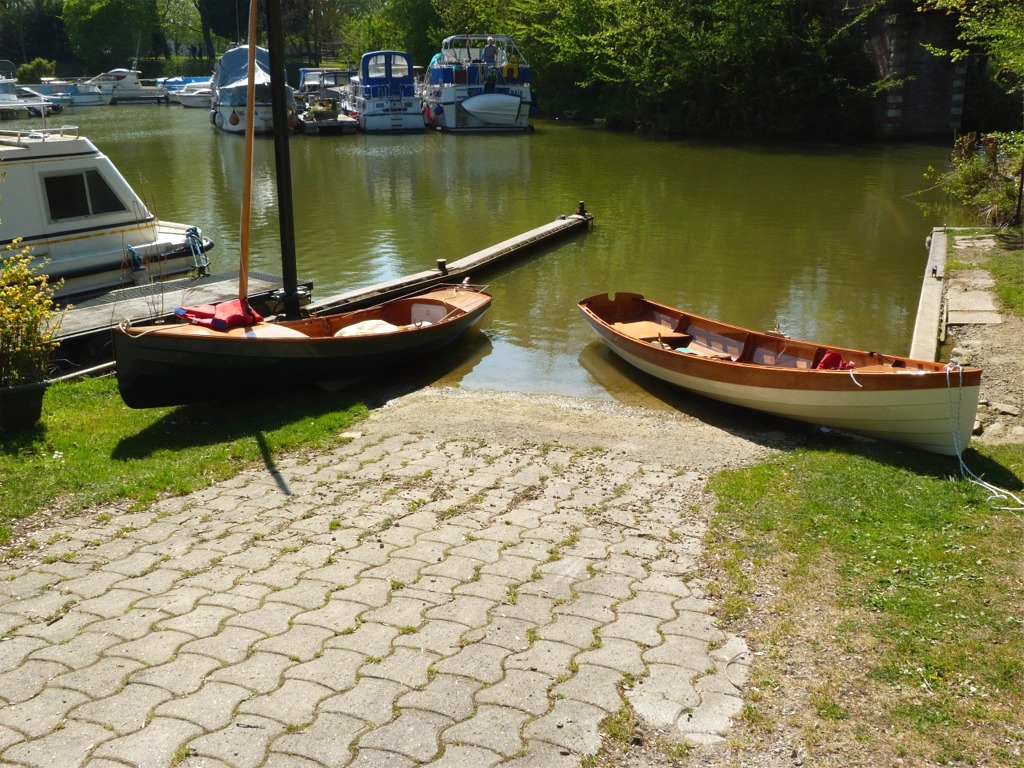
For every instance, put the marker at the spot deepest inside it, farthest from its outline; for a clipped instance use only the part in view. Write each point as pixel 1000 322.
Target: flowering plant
pixel 29 320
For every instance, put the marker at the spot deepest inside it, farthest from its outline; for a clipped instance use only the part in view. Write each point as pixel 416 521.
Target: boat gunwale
pixel 746 372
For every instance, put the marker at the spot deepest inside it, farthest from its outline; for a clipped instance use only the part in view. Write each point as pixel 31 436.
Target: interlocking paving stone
pixel 156 744
pixel 40 714
pixel 447 695
pixel 180 676
pixel 400 600
pixel 493 728
pixel 210 707
pixel 124 712
pixel 459 756
pixel 242 744
pixel 65 746
pixel 414 733
pixel 327 740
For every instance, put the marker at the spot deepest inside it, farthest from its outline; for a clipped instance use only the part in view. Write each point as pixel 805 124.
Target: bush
pixel 36 70
pixel 29 321
pixel 985 176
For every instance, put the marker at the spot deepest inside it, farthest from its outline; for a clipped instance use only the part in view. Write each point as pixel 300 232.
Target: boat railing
pixel 18 136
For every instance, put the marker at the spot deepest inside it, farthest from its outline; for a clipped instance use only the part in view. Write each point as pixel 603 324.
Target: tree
pixel 110 33
pixel 995 27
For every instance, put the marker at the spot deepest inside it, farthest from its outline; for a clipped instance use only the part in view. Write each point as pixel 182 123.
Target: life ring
pixel 510 71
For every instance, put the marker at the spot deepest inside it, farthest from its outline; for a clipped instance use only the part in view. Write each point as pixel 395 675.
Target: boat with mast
pixel 170 364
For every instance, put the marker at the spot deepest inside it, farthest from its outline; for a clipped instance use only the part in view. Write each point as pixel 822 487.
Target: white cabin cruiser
pixel 478 83
pixel 382 96
pixel 85 224
pixel 124 86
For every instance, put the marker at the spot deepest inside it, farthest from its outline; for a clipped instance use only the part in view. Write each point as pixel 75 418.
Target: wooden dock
pixel 472 266
pixel 85 334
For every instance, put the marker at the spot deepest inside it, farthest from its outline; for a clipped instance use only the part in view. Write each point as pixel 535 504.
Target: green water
pixel 825 242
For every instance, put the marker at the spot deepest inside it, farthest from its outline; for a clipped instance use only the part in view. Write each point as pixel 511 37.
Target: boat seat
pixel 644 329
pixel 784 355
pixel 711 343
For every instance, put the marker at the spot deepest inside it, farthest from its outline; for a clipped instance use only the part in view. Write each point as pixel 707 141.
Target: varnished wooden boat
pixel 160 365
pixel 921 403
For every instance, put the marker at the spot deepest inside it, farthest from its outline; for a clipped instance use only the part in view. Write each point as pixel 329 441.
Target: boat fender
pixel 510 71
pixel 438 110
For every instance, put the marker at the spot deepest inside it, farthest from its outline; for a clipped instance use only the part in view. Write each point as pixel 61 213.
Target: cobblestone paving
pixel 403 600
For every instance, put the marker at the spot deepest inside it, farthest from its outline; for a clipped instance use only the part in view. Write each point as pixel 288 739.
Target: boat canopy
pixel 386 73
pixel 462 48
pixel 231 74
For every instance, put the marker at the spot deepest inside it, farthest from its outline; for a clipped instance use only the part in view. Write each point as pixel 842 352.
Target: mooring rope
pixel 1013 503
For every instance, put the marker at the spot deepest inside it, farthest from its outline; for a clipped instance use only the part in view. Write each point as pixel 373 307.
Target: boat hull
pixel 499 109
pixel 923 404
pixel 171 365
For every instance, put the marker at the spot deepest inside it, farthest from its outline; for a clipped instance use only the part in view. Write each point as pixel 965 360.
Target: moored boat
pixel 921 403
pixel 228 111
pixel 160 365
pixel 11 107
pixel 124 86
pixel 84 222
pixel 194 95
pixel 73 94
pixel 478 83
pixel 226 348
pixel 382 96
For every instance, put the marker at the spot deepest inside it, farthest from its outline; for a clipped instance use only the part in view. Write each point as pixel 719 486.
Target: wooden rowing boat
pixel 160 365
pixel 921 403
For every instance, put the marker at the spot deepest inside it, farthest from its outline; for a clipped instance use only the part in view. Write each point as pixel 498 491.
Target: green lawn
pixel 91 449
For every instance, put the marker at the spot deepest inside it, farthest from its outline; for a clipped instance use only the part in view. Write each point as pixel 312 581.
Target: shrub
pixel 29 320
pixel 36 70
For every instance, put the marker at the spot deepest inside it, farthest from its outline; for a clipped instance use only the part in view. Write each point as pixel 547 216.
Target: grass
pixel 1007 268
pixel 894 590
pixel 91 449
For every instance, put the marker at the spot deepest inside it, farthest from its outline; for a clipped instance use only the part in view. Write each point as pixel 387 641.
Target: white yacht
pixel 84 222
pixel 124 86
pixel 478 83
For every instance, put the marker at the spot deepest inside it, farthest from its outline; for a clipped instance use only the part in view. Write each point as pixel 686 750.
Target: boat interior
pixel 699 336
pixel 406 314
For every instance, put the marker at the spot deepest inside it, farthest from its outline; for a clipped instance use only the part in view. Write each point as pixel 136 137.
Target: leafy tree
pixel 994 187
pixel 109 33
pixel 33 28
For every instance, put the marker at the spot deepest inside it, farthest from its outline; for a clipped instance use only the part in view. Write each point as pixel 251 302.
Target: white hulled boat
pixel 124 86
pixel 478 83
pixel 229 91
pixel 84 222
pixel 382 96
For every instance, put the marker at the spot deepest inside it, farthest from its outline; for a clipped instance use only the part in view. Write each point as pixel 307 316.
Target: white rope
pixel 996 494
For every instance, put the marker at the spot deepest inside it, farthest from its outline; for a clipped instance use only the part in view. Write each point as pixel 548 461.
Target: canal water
pixel 824 242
